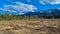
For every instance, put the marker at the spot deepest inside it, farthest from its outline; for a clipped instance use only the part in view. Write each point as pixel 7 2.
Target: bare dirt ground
pixel 35 26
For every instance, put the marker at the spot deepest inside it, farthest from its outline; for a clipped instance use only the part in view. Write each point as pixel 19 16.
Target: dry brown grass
pixel 32 26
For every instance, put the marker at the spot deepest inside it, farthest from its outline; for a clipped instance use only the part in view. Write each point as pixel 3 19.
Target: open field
pixel 35 26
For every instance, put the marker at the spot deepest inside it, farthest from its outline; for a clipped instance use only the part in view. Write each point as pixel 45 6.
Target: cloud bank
pixel 50 1
pixel 20 7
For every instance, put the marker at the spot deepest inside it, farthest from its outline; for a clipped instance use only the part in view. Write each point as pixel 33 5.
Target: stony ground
pixel 35 26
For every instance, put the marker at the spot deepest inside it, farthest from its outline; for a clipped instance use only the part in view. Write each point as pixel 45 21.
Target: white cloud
pixel 21 7
pixel 20 13
pixel 42 2
pixel 7 9
pixel 50 1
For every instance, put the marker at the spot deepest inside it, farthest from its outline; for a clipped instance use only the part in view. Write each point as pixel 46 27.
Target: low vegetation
pixel 15 17
pixel 34 26
pixel 19 17
pixel 15 24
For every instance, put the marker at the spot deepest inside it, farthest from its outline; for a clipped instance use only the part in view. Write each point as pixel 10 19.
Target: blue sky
pixel 23 6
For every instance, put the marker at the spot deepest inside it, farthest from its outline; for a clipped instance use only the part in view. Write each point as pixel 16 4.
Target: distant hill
pixel 42 13
pixel 45 13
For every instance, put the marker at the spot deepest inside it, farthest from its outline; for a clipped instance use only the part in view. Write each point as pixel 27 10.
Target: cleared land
pixel 32 26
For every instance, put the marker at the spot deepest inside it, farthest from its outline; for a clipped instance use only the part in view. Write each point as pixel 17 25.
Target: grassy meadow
pixel 28 25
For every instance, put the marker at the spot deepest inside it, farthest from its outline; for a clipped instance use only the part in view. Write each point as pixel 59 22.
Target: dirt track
pixel 36 26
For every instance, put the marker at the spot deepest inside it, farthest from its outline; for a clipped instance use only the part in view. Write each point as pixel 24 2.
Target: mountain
pixel 45 13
